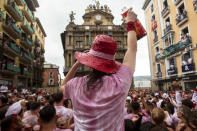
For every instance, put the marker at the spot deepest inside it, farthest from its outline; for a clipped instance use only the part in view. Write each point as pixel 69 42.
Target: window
pixel 69 60
pixel 187 58
pixel 157 50
pixel 69 43
pixel 87 39
pixel 158 68
pixel 51 82
pixel 50 74
pixel 165 4
pixel 155 36
pixel 118 44
pixel 185 34
pixel 79 44
pixel 167 21
pixel 181 9
pixel 152 8
pixel 153 18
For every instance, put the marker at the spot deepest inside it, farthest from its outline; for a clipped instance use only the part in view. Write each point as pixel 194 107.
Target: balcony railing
pixel 155 39
pixel 167 29
pixel 165 11
pixel 42 59
pixel 16 29
pixel 181 18
pixel 173 49
pixel 195 5
pixel 176 2
pixel 27 28
pixel 26 73
pixel 188 67
pixel 1 15
pixel 26 56
pixel 159 74
pixel 20 2
pixel 14 10
pixel 172 71
pixel 28 14
pixel 13 68
pixel 14 48
pixel 29 42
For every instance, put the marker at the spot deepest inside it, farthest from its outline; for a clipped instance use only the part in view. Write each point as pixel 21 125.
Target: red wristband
pixel 131 26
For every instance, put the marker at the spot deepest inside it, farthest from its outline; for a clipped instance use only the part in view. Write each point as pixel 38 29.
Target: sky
pixel 54 16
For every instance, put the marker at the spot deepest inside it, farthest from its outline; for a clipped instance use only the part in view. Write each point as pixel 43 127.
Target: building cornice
pixel 41 27
pixel 146 3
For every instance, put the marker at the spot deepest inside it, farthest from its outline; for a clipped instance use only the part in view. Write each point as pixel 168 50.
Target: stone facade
pixel 97 20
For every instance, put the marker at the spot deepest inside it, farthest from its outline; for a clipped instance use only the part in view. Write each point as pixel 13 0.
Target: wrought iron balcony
pixel 195 5
pixel 188 67
pixel 12 8
pixel 42 59
pixel 29 42
pixel 28 14
pixel 1 15
pixel 167 29
pixel 155 39
pixel 13 68
pixel 173 49
pixel 172 71
pixel 14 48
pixel 165 11
pixel 176 2
pixel 181 18
pixel 26 73
pixel 159 74
pixel 26 56
pixel 20 2
pixel 12 29
pixel 27 28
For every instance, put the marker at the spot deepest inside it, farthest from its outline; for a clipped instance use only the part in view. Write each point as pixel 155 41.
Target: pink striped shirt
pixel 102 108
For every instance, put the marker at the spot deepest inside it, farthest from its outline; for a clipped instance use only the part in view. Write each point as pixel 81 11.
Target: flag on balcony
pixel 90 39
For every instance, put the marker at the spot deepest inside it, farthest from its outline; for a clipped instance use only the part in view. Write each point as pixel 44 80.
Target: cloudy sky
pixel 54 16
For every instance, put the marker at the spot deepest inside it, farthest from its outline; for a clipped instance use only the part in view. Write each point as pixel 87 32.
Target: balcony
pixel 159 74
pixel 181 18
pixel 165 11
pixel 13 68
pixel 173 49
pixel 25 72
pixel 167 29
pixel 37 42
pixel 29 42
pixel 32 4
pixel 27 28
pixel 155 39
pixel 28 14
pixel 188 67
pixel 42 50
pixel 12 29
pixel 42 59
pixel 1 15
pixel 154 25
pixel 176 2
pixel 12 8
pixel 27 57
pixel 172 71
pixel 195 5
pixel 20 2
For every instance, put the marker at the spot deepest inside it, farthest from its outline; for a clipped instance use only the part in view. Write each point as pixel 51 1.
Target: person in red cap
pixel 99 98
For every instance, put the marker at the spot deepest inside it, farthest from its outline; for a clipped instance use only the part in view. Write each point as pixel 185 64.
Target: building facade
pixel 142 82
pixel 97 20
pixel 51 75
pixel 172 42
pixel 21 44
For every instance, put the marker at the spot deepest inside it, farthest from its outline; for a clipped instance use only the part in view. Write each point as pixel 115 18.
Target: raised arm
pixel 130 56
pixel 70 74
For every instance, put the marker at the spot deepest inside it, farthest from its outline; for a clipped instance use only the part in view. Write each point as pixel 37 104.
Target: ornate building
pixel 22 40
pixel 97 20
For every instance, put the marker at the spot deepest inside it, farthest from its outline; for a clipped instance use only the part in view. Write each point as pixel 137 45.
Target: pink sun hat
pixel 101 55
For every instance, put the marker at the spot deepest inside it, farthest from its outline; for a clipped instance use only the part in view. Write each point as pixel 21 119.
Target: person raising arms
pixel 99 98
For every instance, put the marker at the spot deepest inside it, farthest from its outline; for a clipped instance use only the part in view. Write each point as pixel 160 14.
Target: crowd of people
pixel 101 100
pixel 144 110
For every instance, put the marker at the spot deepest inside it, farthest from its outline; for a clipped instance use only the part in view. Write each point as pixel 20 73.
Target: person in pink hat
pixel 99 98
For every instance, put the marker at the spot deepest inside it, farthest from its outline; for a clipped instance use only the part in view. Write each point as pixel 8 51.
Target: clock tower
pixel 98 19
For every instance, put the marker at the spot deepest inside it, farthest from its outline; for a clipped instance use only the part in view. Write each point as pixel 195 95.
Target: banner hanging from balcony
pixel 154 25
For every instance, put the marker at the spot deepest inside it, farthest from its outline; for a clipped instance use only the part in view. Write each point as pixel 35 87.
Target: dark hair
pixel 51 101
pixel 135 106
pixel 4 100
pixel 94 77
pixel 47 114
pixel 28 105
pixel 3 111
pixel 147 126
pixel 58 97
pixel 66 102
pixel 34 106
pixel 129 125
pixel 6 123
pixel 188 103
pixel 159 128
